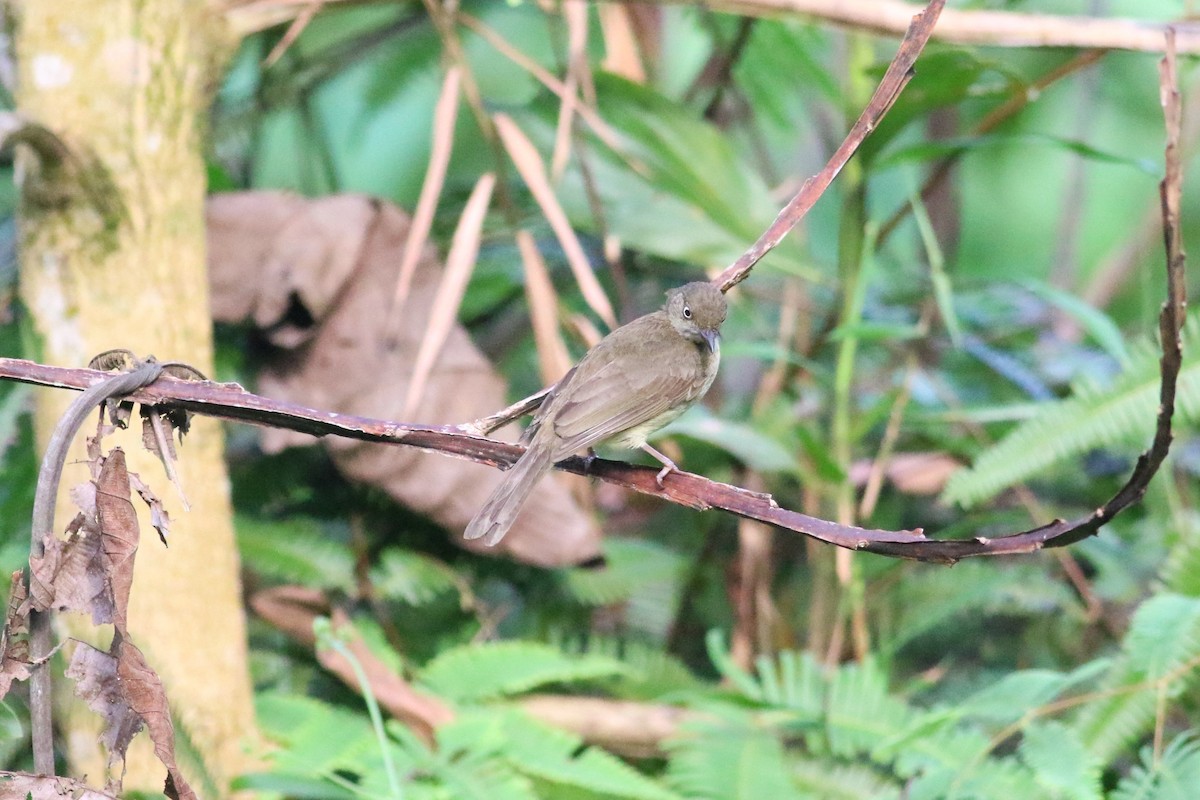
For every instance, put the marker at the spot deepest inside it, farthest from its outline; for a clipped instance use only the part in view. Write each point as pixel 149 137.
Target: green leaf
pixel 754 449
pixel 1164 635
pixel 945 148
pixel 1163 638
pixel 494 669
pixel 1174 776
pixel 630 564
pixel 1092 417
pixel 729 760
pixel 1097 324
pixel 412 577
pixel 295 551
pixel 1060 762
pixel 1017 693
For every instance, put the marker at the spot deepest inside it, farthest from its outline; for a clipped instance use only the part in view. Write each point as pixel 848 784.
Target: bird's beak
pixel 712 338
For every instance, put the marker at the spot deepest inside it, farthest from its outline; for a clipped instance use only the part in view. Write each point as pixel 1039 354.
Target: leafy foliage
pixel 1093 417
pixel 481 671
pixel 1048 676
pixel 1172 776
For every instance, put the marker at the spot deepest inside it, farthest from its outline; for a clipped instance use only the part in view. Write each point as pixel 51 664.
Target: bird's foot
pixel 668 465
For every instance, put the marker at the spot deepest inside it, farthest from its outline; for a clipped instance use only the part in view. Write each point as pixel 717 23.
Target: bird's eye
pixel 687 313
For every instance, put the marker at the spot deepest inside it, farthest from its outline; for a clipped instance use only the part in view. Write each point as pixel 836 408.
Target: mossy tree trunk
pixel 112 255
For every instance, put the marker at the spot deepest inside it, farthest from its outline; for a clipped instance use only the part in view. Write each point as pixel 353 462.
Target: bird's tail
pixel 497 515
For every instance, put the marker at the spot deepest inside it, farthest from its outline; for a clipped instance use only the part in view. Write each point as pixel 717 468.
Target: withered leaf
pixel 144 692
pixel 71 574
pixel 128 695
pixel 159 517
pixel 318 277
pixel 46 787
pixel 119 532
pixel 14 639
pixel 97 683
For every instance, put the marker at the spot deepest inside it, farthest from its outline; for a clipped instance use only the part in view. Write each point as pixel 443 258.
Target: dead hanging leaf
pixel 119 685
pixel 46 787
pixel 15 661
pixel 159 518
pixel 318 278
pixel 119 531
pixel 97 684
pixel 90 571
pixel 71 574
pixel 144 691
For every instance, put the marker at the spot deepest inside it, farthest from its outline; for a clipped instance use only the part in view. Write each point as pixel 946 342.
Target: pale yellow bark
pixel 127 82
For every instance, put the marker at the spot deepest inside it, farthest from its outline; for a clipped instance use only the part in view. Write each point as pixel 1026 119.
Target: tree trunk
pixel 112 255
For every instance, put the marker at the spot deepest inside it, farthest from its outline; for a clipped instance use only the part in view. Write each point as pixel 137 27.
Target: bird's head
pixel 697 310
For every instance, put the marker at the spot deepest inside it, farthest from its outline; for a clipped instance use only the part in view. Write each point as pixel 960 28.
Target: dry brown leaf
pixel 159 518
pixel 97 684
pixel 46 787
pixel 575 14
pixel 911 473
pixel 553 359
pixel 119 532
pixel 128 695
pixel 71 575
pixel 620 44
pixel 460 263
pixel 445 113
pixel 144 691
pixel 14 639
pixel 343 358
pixel 525 156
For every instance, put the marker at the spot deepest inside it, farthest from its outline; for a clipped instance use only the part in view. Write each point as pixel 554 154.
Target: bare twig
pixel 898 74
pixel 886 17
pixel 962 26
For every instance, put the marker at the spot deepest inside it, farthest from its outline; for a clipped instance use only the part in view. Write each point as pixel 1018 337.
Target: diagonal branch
pixel 898 74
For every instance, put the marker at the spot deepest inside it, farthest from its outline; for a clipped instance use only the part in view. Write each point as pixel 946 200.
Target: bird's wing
pixel 598 402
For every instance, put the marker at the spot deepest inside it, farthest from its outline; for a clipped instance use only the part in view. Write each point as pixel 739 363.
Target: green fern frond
pixel 294 551
pixel 494 669
pixel 792 680
pixel 860 714
pixel 652 672
pixel 939 595
pixel 1174 776
pixel 1163 640
pixel 990 779
pixel 830 781
pixel 730 759
pixel 642 572
pixel 413 578
pixel 546 754
pixel 1059 761
pixel 1181 570
pixel 1164 635
pixel 1018 693
pixel 316 739
pixel 1092 417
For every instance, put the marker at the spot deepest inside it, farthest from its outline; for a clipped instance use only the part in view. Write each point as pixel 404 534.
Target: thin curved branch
pixel 899 73
pixel 884 17
pixel 975 27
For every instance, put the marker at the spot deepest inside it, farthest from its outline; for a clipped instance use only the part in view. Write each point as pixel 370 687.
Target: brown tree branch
pixel 974 27
pixel 884 17
pixel 898 74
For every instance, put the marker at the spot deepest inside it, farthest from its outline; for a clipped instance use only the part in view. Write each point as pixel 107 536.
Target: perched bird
pixel 636 380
